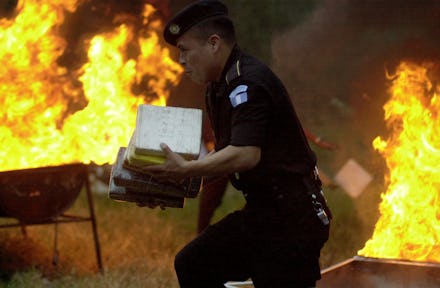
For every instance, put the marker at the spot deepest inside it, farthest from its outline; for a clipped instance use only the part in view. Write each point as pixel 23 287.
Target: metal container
pixel 40 194
pixel 361 272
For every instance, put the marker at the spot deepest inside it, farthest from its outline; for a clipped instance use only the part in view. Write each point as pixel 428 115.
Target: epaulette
pixel 233 73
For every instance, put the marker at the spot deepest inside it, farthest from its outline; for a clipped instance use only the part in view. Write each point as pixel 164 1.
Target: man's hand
pixel 172 170
pixel 228 160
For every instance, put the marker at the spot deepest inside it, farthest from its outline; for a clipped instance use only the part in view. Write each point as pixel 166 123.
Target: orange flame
pixel 409 226
pixel 47 118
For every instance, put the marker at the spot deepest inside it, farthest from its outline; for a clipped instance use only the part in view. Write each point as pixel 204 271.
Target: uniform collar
pixel 233 57
pixel 217 88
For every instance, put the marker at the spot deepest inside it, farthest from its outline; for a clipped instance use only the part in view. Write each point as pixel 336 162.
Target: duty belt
pixel 312 184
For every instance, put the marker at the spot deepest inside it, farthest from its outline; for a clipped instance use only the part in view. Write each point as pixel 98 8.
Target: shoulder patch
pixel 238 95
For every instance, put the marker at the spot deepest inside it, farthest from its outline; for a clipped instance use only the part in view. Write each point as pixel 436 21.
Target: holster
pixel 313 185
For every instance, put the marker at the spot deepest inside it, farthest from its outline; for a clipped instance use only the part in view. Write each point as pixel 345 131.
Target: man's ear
pixel 214 41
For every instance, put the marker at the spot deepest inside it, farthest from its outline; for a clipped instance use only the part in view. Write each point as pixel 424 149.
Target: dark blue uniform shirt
pixel 251 107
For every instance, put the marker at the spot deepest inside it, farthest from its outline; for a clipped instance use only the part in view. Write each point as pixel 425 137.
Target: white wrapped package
pixel 179 128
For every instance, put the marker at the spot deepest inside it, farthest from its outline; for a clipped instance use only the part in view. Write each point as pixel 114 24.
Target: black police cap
pixel 192 15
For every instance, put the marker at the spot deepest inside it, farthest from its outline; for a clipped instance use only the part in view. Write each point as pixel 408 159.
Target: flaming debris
pixel 54 115
pixel 409 226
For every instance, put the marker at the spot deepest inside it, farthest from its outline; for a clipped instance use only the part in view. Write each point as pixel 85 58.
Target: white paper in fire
pixel 180 128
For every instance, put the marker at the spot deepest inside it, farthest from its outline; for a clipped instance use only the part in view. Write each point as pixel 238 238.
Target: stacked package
pixel 180 129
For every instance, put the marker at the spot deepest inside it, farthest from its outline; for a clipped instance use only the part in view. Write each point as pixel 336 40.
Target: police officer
pixel 259 142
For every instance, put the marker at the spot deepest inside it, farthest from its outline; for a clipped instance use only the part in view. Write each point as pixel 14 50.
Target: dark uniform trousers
pixel 275 240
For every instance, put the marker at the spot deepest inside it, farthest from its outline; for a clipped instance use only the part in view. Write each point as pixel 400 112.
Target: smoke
pixel 334 63
pixel 341 38
pixel 93 17
pixel 311 40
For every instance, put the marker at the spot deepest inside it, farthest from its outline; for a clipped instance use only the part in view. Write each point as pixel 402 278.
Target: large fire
pixel 409 225
pixel 52 115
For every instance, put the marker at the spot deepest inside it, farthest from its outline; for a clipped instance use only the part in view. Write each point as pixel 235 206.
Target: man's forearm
pixel 228 160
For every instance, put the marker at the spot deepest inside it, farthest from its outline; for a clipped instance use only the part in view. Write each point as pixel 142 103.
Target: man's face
pixel 196 56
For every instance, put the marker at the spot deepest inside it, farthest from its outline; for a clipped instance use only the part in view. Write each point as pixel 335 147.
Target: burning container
pixel 363 272
pixel 409 224
pixel 70 95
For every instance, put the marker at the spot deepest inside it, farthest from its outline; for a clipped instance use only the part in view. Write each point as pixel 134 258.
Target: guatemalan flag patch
pixel 238 95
